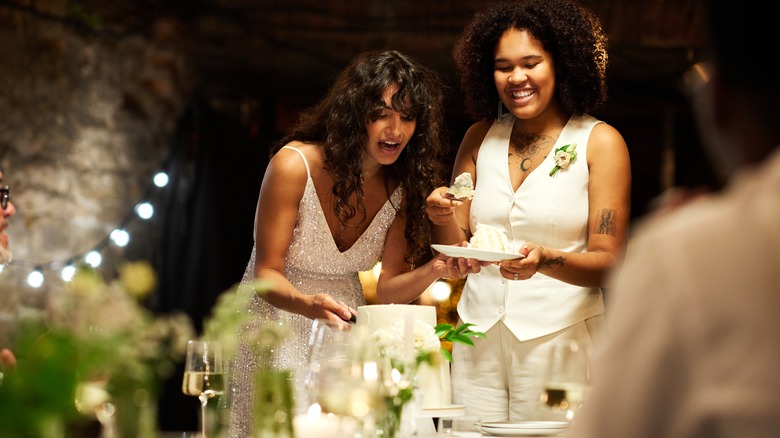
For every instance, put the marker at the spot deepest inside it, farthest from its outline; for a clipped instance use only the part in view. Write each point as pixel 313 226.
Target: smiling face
pixel 389 134
pixel 524 74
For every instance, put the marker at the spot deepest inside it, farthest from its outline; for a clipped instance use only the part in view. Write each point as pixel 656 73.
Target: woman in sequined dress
pixel 346 188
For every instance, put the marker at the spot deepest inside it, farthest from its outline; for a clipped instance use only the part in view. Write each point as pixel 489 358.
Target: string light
pixel 67 272
pixel 160 179
pixel 35 278
pixel 119 236
pixel 94 258
pixel 144 210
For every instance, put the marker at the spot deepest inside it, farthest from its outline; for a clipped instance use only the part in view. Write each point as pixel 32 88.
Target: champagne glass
pixel 203 375
pixel 342 376
pixel 566 377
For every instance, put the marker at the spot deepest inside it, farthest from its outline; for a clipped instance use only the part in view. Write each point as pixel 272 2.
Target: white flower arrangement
pixel 92 331
pixel 391 342
pixel 564 155
pixel 405 359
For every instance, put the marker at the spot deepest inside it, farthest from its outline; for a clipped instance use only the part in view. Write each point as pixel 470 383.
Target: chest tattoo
pixel 528 150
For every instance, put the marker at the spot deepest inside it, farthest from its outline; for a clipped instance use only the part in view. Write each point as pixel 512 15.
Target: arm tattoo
pixel 558 261
pixel 606 222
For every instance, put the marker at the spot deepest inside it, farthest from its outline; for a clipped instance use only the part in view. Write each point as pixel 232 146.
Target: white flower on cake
pixel 489 238
pixel 462 188
pixel 426 346
pixel 411 355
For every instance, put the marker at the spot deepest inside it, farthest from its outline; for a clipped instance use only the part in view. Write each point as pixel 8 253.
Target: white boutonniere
pixel 563 156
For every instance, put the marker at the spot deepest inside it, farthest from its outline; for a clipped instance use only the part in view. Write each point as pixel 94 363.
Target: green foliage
pixel 93 334
pixel 462 335
pixel 49 364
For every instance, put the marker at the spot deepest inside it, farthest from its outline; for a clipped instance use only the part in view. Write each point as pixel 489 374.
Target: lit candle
pixel 409 338
pixel 316 424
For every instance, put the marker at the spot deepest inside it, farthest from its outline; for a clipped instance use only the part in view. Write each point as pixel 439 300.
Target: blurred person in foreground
pixel 7 359
pixel 690 349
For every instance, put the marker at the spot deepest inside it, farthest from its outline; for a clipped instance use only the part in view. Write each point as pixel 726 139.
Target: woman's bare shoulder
pixel 287 163
pixel 606 138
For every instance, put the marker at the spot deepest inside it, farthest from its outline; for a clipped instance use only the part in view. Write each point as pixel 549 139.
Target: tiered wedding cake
pixel 434 382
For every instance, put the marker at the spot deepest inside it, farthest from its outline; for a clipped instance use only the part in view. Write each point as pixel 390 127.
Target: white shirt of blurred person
pixel 690 350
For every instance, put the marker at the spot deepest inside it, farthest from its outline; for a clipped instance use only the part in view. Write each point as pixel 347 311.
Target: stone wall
pixel 86 119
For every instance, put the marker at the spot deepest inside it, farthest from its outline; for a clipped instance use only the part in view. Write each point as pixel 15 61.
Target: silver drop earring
pixel 500 110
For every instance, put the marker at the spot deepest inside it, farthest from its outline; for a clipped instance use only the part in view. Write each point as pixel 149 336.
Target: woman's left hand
pixel 455 267
pixel 522 268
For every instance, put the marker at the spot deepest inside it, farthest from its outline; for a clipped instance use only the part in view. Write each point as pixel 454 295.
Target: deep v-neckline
pixel 547 156
pixel 531 174
pixel 324 221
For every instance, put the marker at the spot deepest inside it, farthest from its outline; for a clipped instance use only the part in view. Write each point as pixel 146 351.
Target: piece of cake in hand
pixel 462 188
pixel 489 238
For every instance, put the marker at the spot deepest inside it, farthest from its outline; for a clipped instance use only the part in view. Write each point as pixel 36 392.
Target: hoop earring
pixel 500 110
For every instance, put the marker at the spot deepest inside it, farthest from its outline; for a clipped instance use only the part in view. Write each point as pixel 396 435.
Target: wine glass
pixel 203 375
pixel 566 377
pixel 342 376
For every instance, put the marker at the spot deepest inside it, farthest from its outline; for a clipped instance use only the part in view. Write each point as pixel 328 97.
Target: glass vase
pixel 273 406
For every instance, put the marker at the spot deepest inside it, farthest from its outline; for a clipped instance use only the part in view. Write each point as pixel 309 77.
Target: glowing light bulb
pixel 94 259
pixel 144 210
pixel 35 278
pixel 161 179
pixel 67 272
pixel 120 237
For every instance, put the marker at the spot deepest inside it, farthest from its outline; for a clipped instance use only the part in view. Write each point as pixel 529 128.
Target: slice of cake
pixel 434 381
pixel 462 188
pixel 489 238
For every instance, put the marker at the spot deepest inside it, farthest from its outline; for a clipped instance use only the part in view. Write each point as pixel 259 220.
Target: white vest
pixel 551 211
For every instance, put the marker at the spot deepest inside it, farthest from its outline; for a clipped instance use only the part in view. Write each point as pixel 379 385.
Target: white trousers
pixel 499 378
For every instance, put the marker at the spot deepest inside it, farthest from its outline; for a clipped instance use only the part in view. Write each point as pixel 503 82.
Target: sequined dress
pixel 313 264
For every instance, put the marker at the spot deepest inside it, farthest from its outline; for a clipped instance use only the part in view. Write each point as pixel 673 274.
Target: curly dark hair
pixel 570 32
pixel 338 124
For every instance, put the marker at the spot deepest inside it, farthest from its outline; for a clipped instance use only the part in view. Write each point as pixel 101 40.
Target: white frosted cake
pixel 462 187
pixel 489 238
pixel 434 382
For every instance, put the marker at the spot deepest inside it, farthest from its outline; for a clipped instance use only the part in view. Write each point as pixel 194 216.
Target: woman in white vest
pixel 553 178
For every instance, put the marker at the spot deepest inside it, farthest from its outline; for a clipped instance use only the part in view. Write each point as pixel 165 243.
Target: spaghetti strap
pixel 306 163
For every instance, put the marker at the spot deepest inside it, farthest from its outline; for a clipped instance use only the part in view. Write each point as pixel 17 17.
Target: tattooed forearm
pixel 606 222
pixel 558 261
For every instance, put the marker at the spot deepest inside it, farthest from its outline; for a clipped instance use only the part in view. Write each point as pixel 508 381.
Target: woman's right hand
pixel 440 209
pixel 323 306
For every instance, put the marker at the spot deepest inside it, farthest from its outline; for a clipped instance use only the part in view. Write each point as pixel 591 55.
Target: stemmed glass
pixel 566 377
pixel 342 376
pixel 203 375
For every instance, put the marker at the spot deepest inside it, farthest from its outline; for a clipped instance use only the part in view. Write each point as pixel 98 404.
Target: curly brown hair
pixel 570 32
pixel 338 124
